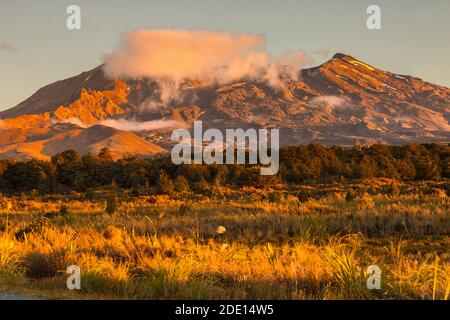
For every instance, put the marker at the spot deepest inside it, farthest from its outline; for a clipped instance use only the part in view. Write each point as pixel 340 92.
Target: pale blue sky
pixel 414 38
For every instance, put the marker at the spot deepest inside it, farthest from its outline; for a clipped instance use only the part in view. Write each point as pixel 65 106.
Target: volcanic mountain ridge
pixel 343 101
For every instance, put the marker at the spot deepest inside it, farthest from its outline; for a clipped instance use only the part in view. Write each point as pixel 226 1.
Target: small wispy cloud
pixel 130 125
pixel 5 46
pixel 331 101
pixel 127 125
pixel 323 54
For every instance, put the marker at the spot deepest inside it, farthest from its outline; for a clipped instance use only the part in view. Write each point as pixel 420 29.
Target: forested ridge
pixel 311 163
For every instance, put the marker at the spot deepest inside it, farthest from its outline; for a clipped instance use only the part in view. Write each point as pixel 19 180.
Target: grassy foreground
pixel 307 242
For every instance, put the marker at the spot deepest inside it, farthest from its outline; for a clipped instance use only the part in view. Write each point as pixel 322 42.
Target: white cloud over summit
pixel 177 54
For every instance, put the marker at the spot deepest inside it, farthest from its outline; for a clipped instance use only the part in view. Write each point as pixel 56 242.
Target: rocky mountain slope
pixel 42 143
pixel 343 101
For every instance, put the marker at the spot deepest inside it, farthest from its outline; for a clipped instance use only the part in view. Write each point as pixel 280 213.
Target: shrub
pixel 36 227
pixel 365 201
pixel 63 210
pixel 181 184
pixel 440 193
pixel 112 233
pixel 216 188
pixel 350 196
pixel 165 184
pixel 112 204
pixel 394 189
pixel 3 225
pixel 201 186
pixel 303 195
pixel 90 194
pixel 152 199
pixel 276 196
pixel 184 209
pixel 39 265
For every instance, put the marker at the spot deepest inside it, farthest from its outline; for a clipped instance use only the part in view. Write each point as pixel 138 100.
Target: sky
pixel 36 48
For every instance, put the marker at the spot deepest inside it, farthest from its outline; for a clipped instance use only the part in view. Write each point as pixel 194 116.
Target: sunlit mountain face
pixel 342 101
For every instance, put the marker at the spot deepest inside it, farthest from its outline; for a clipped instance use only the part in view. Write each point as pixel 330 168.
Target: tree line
pixel 69 171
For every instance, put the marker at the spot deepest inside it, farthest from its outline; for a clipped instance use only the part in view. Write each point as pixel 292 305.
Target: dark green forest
pixel 313 163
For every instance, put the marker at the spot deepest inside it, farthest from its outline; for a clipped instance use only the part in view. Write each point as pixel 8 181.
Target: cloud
pixel 323 53
pixel 172 55
pixel 127 125
pixel 5 46
pixel 74 120
pixel 330 101
pixel 178 54
pixel 287 65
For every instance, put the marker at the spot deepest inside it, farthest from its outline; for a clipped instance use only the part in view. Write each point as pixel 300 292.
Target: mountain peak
pixel 345 57
pixel 342 60
pixel 340 55
pixel 342 101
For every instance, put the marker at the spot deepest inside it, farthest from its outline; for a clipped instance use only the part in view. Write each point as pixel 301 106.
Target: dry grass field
pixel 303 242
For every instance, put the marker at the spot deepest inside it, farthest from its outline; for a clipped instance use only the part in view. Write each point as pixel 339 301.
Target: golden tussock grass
pixel 241 245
